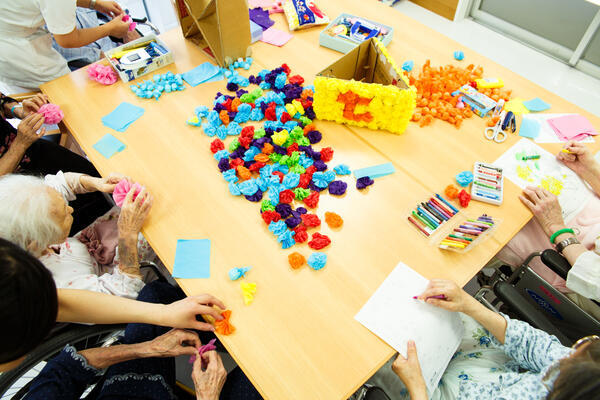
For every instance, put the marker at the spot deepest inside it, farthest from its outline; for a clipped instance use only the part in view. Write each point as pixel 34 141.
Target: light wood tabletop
pixel 298 339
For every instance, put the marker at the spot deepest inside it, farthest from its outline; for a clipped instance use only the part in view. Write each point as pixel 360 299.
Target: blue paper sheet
pixel 376 171
pixel 536 105
pixel 530 128
pixel 109 145
pixel 255 31
pixel 121 117
pixel 203 73
pixel 192 259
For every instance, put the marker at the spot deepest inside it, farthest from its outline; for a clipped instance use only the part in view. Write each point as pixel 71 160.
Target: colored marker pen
pixel 439 296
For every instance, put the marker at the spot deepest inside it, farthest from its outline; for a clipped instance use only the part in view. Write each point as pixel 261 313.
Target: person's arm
pixel 27 134
pixel 579 158
pixel 409 371
pixel 98 308
pixel 209 382
pixel 584 276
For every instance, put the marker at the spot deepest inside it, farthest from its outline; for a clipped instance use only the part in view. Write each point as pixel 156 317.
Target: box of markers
pixel 428 216
pixel 139 57
pixel 488 183
pixel 465 232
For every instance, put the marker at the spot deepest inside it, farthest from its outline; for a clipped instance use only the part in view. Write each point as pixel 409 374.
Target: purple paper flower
pixel 247 164
pixel 315 187
pixel 314 137
pixel 256 197
pixel 363 182
pixel 219 107
pixel 232 115
pixel 279 150
pixel 263 107
pixel 293 222
pixel 232 87
pixel 224 164
pixel 320 165
pixel 309 112
pixel 301 210
pixel 269 132
pixel 338 188
pixel 285 210
pixel 240 92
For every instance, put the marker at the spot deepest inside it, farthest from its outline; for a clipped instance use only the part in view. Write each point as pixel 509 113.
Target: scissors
pixel 496 133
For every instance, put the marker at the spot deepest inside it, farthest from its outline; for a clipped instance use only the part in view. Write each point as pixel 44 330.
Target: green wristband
pixel 560 232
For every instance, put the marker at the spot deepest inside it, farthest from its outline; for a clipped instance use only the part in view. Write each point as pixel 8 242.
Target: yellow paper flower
pixel 248 291
pixel 279 138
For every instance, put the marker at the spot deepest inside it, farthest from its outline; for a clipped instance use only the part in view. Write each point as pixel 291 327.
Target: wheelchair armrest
pixel 556 262
pixel 511 297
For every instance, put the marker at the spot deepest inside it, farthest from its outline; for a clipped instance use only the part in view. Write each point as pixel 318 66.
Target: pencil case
pixel 488 183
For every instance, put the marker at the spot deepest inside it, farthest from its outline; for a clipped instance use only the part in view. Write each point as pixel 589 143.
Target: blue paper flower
pixel 208 129
pixel 234 188
pixel 221 154
pixel 230 175
pixel 323 179
pixel 317 260
pixel 278 228
pixel 237 273
pixel 248 188
pixel 291 180
pixel 342 169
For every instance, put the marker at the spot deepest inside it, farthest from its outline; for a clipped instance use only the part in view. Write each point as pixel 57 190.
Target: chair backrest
pixel 374 393
pixel 558 308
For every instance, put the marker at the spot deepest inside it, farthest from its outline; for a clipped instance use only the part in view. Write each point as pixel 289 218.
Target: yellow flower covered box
pixel 365 88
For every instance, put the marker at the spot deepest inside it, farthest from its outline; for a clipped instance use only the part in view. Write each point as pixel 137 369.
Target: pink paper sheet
pixel 275 37
pixel 572 127
pixel 260 3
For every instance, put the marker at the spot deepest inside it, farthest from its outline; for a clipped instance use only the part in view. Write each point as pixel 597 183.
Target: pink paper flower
pixel 52 113
pixel 121 190
pixel 132 24
pixel 102 74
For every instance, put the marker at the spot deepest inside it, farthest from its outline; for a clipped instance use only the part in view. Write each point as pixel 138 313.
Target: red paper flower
pixel 286 69
pixel 217 145
pixel 285 117
pixel 310 220
pixel 270 216
pixel 286 196
pixel 292 148
pixel 464 198
pixel 312 199
pixel 236 162
pixel 326 154
pixel 304 180
pixel 256 166
pixel 301 236
pixel 296 79
pixel 319 241
pixel 279 174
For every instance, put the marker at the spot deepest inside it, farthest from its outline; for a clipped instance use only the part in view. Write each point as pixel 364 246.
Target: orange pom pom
pixel 268 148
pixel 333 220
pixel 451 192
pixel 296 260
pixel 261 157
pixel 235 104
pixel 224 327
pixel 224 117
pixel 244 173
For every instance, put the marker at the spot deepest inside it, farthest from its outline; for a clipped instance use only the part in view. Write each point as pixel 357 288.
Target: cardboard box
pixel 151 65
pixel 365 88
pixel 220 27
pixel 343 44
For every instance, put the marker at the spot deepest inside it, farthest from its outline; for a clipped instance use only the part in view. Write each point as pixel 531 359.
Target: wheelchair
pixel 531 299
pixel 15 383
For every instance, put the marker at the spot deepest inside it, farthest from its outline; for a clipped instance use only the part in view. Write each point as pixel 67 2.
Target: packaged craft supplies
pixel 365 88
pixel 302 14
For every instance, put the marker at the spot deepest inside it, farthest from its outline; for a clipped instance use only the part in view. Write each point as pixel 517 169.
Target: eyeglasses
pixel 585 340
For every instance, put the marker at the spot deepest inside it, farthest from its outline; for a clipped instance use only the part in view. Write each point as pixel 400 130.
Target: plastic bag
pixel 303 14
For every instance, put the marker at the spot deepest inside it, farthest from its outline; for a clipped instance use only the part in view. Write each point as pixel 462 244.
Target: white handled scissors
pixel 496 133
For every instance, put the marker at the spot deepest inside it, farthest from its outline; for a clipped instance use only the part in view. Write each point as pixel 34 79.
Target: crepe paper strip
pixel 333 220
pixel 237 273
pixel 296 260
pixel 376 171
pixel 312 200
pixel 530 128
pixel 52 113
pixel 342 169
pixel 248 292
pixel 451 192
pixel 338 188
pixel 121 117
pixel 464 198
pixel 311 220
pixel 109 145
pixel 536 105
pixel 223 326
pixel 319 241
pixel 122 188
pixel 464 178
pixel 102 74
pixel 317 260
pixel 210 346
pixel 192 259
pixel 275 37
pixel 363 182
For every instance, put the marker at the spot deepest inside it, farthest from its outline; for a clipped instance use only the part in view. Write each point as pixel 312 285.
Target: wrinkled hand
pixel 456 299
pixel 134 212
pixel 174 343
pixel 33 104
pixel 209 382
pixel 182 313
pixel 545 208
pixel 117 27
pixel 27 131
pixel 105 185
pixel 409 371
pixel 110 8
pixel 579 160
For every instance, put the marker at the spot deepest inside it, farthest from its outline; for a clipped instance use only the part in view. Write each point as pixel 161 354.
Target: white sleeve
pixel 584 277
pixel 59 183
pixel 115 283
pixel 59 15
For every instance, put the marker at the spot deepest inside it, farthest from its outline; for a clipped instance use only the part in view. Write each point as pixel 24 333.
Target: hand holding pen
pixel 447 295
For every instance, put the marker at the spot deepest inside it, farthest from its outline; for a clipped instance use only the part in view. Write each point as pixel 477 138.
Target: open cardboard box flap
pixel 365 63
pixel 221 25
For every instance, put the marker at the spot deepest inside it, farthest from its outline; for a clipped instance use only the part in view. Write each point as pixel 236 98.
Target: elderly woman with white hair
pixel 35 215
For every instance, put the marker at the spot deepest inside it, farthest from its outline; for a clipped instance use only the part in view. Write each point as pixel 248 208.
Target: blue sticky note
pixel 192 259
pixel 109 145
pixel 121 117
pixel 203 73
pixel 536 105
pixel 530 128
pixel 376 171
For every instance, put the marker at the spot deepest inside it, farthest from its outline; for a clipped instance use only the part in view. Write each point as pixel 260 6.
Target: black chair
pixel 528 296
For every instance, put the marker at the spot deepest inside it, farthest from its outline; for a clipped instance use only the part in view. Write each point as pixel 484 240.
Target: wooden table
pixel 299 340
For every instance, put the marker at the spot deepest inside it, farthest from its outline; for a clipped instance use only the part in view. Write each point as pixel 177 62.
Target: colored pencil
pixel 448 204
pixel 419 227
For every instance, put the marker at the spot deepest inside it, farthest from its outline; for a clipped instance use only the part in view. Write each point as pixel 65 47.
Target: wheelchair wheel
pixel 15 384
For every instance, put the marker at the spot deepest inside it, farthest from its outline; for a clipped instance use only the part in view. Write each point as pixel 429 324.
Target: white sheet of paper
pixel 394 316
pixel 547 134
pixel 575 193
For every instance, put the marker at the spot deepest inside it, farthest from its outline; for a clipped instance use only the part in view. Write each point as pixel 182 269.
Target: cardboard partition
pixel 365 87
pixel 220 27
